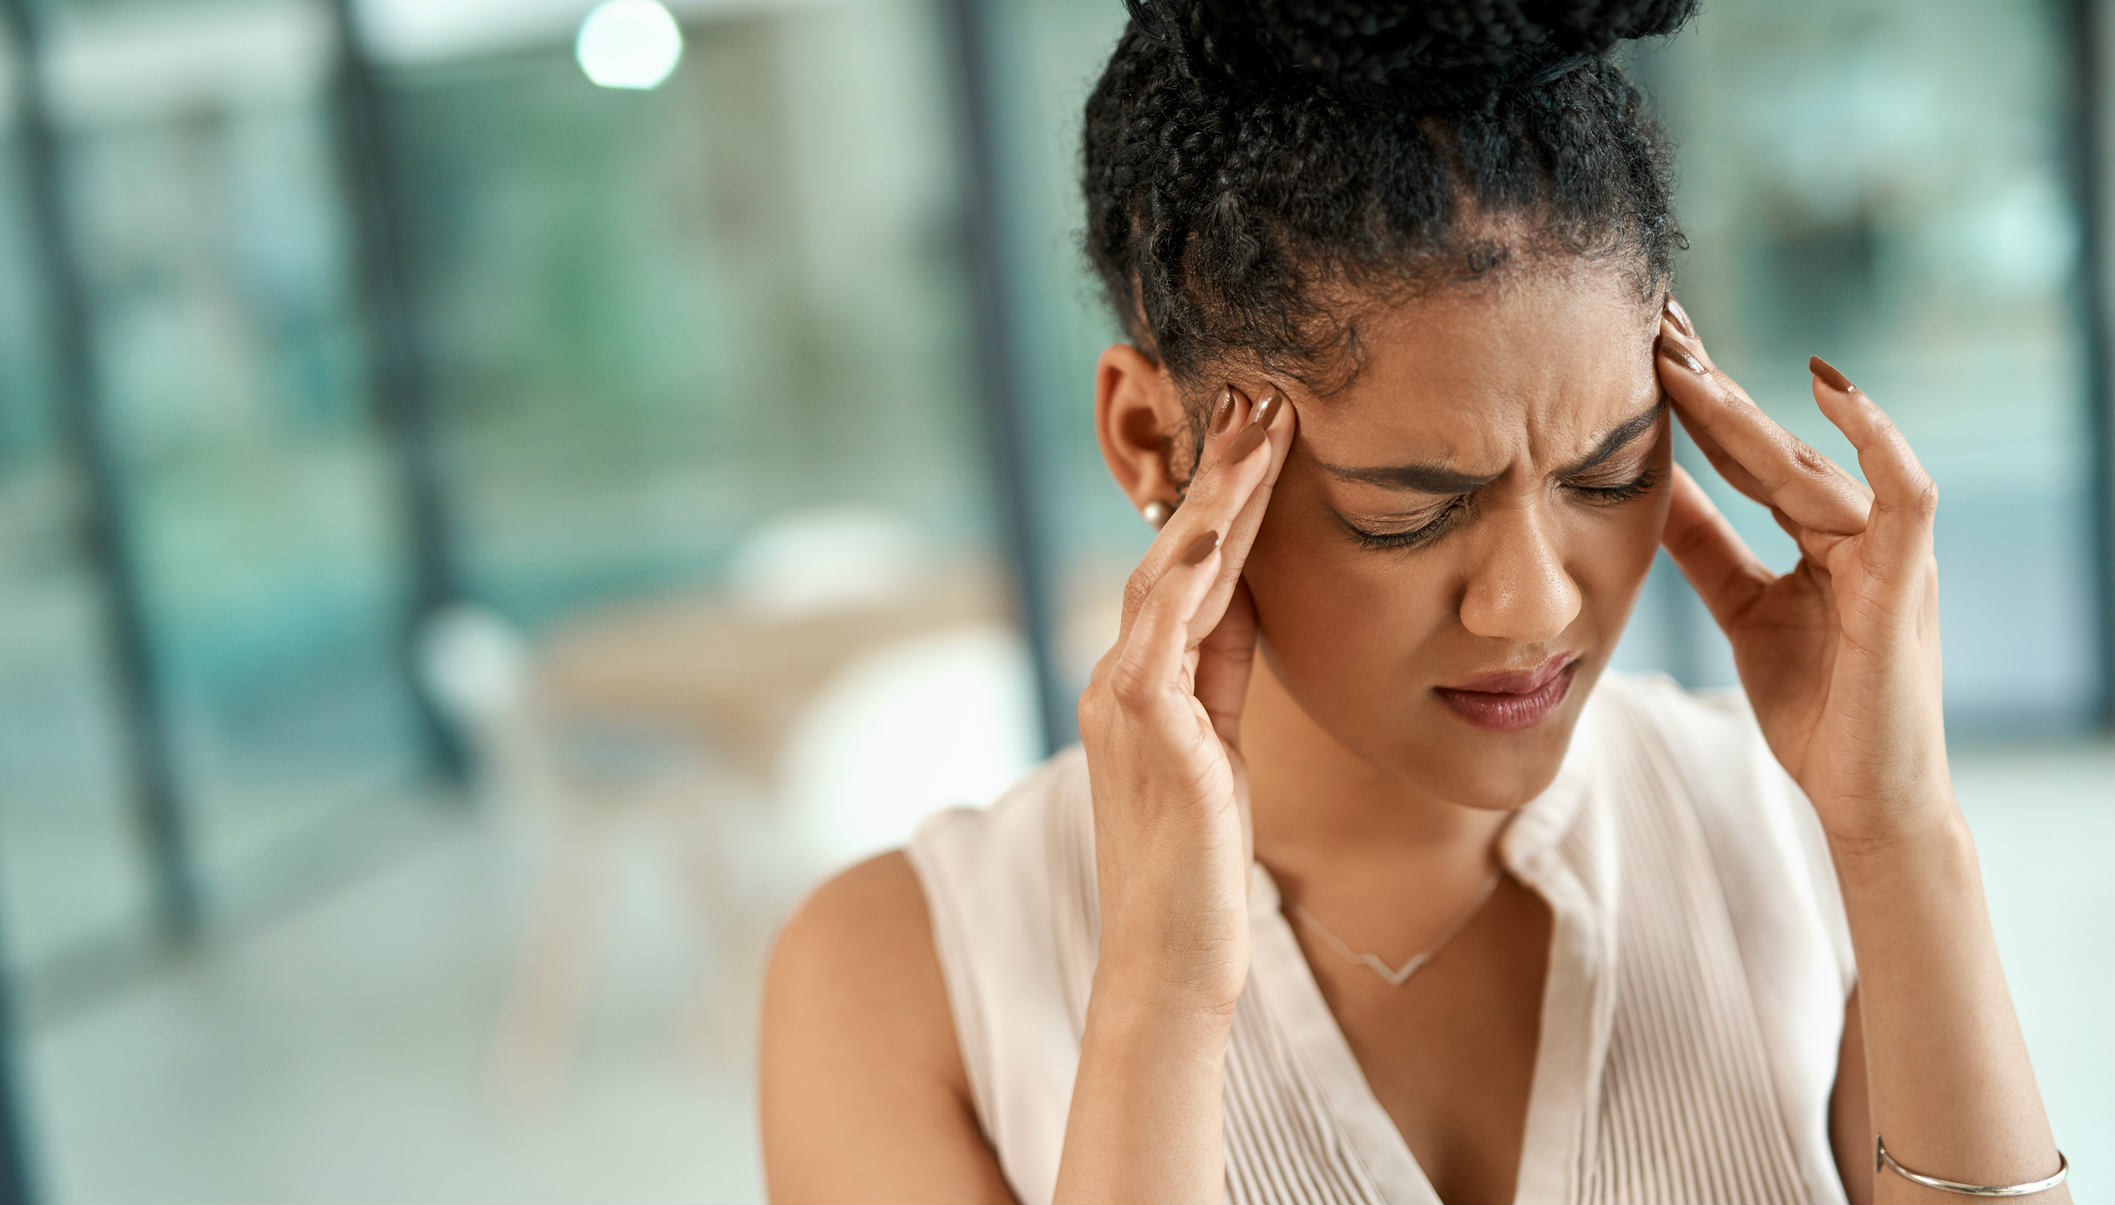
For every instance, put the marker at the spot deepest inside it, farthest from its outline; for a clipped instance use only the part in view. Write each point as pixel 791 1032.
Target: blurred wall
pixel 648 321
pixel 652 336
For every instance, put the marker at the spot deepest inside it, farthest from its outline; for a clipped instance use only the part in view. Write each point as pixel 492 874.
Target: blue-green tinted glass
pixel 1882 184
pixel 200 165
pixel 659 318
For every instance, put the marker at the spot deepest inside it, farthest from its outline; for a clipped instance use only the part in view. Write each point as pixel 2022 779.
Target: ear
pixel 1138 416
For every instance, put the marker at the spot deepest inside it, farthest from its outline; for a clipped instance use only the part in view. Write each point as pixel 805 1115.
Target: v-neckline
pixel 1570 1044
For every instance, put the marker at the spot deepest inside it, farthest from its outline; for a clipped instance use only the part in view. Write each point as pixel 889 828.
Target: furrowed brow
pixel 1615 441
pixel 1420 478
pixel 1439 479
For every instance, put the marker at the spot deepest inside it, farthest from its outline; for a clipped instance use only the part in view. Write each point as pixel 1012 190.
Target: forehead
pixel 1538 362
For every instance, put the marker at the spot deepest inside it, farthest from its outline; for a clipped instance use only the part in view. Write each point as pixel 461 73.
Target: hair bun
pixel 1443 48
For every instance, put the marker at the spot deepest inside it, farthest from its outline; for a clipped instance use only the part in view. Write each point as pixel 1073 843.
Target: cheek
pixel 1318 595
pixel 1612 553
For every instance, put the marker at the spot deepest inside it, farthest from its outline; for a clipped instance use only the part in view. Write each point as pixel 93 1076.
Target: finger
pixel 1232 465
pixel 1784 522
pixel 1814 545
pixel 1735 474
pixel 1224 660
pixel 1710 553
pixel 1730 469
pixel 1274 412
pixel 1905 498
pixel 1810 487
pixel 1151 664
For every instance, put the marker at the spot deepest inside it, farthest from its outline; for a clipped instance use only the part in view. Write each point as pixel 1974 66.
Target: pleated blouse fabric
pixel 1691 1017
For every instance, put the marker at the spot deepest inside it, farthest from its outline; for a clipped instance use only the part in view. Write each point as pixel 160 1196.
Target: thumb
pixel 1710 554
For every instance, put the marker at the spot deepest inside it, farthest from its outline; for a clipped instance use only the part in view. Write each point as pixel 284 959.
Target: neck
pixel 1326 817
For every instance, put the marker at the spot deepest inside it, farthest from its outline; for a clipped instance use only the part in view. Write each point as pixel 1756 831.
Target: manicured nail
pixel 1681 319
pixel 1267 410
pixel 1200 548
pixel 1247 441
pixel 1682 353
pixel 1829 376
pixel 1222 411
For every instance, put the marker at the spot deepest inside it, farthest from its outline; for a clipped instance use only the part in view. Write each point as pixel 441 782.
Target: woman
pixel 1365 881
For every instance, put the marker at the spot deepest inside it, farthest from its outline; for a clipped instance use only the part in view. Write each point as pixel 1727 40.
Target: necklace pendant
pixel 1373 962
pixel 1395 975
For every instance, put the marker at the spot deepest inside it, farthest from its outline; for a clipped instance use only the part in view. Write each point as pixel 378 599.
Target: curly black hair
pixel 1257 171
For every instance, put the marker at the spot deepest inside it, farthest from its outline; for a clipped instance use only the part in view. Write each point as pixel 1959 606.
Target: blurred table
pixel 717 670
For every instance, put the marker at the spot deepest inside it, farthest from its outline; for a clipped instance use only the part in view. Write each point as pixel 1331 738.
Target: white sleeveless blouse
pixel 1699 968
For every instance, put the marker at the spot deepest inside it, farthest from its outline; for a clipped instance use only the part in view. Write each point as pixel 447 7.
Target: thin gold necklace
pixel 1396 975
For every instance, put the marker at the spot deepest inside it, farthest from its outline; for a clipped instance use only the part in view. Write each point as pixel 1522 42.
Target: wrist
pixel 1937 841
pixel 1149 1007
pixel 1155 969
pixel 1906 808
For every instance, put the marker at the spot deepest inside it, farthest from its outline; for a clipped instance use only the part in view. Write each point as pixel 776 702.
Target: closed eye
pixel 1456 510
pixel 1449 516
pixel 1637 486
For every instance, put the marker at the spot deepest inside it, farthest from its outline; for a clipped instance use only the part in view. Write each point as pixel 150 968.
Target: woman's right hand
pixel 1161 724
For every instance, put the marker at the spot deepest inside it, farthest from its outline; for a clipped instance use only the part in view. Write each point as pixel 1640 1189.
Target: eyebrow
pixel 1438 479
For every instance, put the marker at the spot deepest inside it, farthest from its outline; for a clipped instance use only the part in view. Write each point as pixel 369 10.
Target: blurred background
pixel 499 497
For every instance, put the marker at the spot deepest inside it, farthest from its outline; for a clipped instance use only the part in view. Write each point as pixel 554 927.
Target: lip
pixel 1515 681
pixel 1511 700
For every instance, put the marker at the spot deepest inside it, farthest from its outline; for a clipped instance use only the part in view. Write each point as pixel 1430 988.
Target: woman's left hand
pixel 1839 656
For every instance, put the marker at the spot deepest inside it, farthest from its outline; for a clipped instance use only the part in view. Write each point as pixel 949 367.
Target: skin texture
pixel 1273 698
pixel 1531 565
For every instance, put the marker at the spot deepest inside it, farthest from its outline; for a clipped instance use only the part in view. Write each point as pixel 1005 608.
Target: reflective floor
pixel 344 1052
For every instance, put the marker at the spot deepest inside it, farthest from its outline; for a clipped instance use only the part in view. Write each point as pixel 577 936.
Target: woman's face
pixel 1485 497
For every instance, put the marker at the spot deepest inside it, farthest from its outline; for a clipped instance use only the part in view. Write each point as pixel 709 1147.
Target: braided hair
pixel 1256 171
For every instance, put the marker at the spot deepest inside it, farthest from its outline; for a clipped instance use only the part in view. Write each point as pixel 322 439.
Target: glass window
pixel 660 317
pixel 199 160
pixel 68 862
pixel 1883 184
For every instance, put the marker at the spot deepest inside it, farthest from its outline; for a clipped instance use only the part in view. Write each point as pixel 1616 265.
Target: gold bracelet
pixel 1882 1159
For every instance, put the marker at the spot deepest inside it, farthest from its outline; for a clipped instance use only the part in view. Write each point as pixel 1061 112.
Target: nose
pixel 1520 590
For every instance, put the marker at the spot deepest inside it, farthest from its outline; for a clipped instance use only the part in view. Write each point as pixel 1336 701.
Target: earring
pixel 1156 513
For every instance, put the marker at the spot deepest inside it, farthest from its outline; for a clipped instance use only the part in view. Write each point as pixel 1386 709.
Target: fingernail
pixel 1200 548
pixel 1682 353
pixel 1247 440
pixel 1267 410
pixel 1681 319
pixel 1829 376
pixel 1222 411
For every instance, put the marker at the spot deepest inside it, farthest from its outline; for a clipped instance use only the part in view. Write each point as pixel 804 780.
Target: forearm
pixel 1950 1086
pixel 1146 1122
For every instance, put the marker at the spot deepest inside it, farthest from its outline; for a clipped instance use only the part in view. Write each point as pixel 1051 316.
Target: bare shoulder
pixel 862 1092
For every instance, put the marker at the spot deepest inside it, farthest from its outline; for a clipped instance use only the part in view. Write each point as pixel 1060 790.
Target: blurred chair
pixel 805 593
pixel 923 717
pixel 475 667
pixel 670 717
pixel 586 788
pixel 818 560
pixel 912 724
pixel 737 666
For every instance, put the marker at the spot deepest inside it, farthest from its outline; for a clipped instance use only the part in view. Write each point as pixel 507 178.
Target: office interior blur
pixel 498 498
